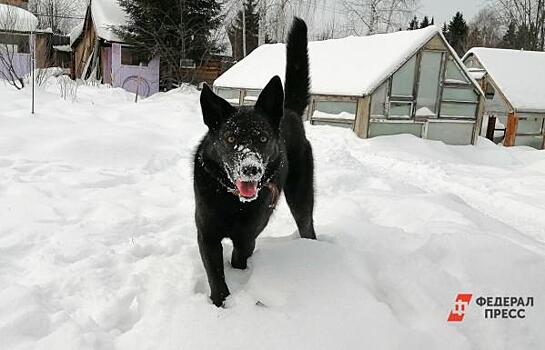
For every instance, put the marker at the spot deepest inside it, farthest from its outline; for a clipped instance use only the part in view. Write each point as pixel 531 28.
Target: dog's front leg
pixel 212 257
pixel 242 250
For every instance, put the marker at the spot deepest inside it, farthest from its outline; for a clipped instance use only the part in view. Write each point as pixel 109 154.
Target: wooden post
pixel 478 120
pixel 491 128
pixel 511 129
pixel 138 82
pixel 361 124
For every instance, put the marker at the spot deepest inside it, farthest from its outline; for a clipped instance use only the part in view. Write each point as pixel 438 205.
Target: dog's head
pixel 245 141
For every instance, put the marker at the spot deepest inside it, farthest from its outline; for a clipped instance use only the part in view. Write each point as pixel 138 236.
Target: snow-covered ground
pixel 98 244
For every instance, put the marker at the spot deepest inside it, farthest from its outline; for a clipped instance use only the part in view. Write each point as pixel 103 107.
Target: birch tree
pixel 529 17
pixel 379 16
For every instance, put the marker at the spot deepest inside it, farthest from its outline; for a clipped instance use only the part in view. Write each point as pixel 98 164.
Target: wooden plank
pixel 319 97
pixel 361 124
pixel 511 130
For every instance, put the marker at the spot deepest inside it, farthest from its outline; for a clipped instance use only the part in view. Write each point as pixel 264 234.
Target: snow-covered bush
pixel 68 88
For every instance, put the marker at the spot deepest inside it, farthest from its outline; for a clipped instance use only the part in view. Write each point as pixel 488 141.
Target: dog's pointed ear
pixel 271 101
pixel 214 108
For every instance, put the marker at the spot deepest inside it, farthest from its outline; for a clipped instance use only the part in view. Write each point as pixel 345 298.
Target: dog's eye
pixel 230 139
pixel 263 139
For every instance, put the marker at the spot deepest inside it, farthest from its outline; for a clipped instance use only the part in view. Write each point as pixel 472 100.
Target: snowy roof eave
pixel 521 86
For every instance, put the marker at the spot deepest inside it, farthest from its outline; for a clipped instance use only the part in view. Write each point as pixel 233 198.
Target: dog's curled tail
pixel 297 80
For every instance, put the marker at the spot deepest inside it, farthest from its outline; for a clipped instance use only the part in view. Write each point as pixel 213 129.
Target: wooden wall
pixel 209 71
pixel 83 47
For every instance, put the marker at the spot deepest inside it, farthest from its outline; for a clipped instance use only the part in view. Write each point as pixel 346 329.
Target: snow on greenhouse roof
pixel 520 75
pixel 16 19
pixel 352 66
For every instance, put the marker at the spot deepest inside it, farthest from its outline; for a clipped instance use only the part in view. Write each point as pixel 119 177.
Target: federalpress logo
pixel 460 306
pixel 494 307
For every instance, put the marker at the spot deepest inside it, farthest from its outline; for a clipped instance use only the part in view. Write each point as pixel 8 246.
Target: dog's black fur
pixel 266 147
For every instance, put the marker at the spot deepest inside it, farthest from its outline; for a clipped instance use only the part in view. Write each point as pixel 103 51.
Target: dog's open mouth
pixel 246 189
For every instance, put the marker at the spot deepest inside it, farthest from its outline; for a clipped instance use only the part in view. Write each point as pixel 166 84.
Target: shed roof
pixel 351 66
pixel 520 75
pixel 106 15
pixel 16 19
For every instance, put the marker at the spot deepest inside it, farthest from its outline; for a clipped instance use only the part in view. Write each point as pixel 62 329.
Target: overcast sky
pixel 443 10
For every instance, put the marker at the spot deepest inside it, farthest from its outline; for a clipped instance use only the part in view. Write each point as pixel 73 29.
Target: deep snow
pixel 98 245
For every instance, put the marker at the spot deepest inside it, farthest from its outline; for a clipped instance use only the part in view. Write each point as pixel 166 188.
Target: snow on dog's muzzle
pixel 249 173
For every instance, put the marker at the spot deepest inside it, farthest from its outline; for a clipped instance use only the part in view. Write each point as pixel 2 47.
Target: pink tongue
pixel 247 189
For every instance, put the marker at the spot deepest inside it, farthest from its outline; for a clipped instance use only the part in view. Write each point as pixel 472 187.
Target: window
pixel 532 141
pixel 459 99
pixel 187 63
pixel 460 110
pixel 402 91
pixel 428 85
pixel 342 110
pixel 453 74
pixel 132 57
pixel 15 43
pixel 530 126
pixel 400 109
pixel 230 95
pixel 459 94
pixel 403 79
pixel 378 100
pixel 450 133
pixel 393 128
pixel 250 97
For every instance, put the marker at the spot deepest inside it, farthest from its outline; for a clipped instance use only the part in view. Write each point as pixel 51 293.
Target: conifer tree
pixel 178 31
pixel 413 24
pixel 425 22
pixel 457 34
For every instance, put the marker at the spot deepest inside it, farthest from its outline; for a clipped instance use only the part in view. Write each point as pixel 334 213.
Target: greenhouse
pixel 404 82
pixel 515 98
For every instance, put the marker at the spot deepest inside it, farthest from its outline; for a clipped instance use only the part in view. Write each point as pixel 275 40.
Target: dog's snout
pixel 252 171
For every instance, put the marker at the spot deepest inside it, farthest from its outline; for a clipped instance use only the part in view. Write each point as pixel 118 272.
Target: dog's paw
pixel 240 264
pixel 218 299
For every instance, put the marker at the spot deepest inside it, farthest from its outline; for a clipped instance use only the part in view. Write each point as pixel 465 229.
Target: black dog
pixel 245 160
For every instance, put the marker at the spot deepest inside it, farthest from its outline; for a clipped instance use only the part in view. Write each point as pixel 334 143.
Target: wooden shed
pixel 99 53
pixel 404 82
pixel 16 27
pixel 514 85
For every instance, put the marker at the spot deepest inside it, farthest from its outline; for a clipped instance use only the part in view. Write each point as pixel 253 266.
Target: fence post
pixel 138 82
pixel 33 65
